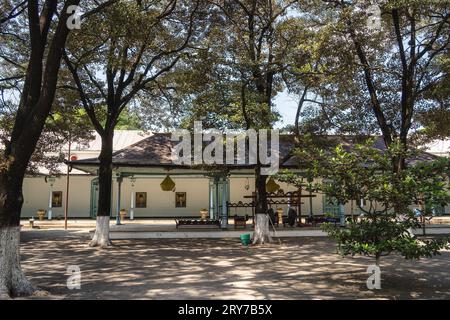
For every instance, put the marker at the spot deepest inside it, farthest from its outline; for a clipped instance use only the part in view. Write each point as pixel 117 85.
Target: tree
pixel 35 103
pixel 383 74
pixel 238 73
pixel 364 172
pixel 66 125
pixel 127 51
pixel 44 32
pixel 435 122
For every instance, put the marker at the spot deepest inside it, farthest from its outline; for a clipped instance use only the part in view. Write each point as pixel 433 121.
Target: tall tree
pixel 42 28
pixel 135 44
pixel 382 73
pixel 237 73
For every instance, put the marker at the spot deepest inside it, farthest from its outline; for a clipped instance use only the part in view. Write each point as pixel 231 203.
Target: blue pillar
pixel 224 223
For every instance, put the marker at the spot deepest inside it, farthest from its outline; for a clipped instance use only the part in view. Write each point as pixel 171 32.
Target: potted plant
pixel 203 214
pixel 123 214
pixel 41 214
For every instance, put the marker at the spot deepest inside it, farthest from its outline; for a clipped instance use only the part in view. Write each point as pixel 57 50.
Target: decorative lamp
pixel 168 184
pixel 272 186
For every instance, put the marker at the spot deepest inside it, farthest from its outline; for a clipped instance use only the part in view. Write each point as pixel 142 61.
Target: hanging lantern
pixel 167 184
pixel 272 186
pixel 133 181
pixel 247 185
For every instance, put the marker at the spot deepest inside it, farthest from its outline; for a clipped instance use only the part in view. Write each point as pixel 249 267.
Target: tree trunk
pixel 101 236
pixel 400 162
pixel 262 231
pixel 261 234
pixel 299 111
pixel 12 280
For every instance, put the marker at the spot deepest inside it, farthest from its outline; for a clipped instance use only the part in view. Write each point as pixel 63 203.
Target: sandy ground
pixel 300 268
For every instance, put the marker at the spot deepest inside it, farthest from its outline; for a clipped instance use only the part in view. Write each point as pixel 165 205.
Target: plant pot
pixel 204 214
pixel 41 214
pixel 123 214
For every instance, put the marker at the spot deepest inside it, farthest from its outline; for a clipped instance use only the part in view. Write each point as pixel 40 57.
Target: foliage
pixel 363 173
pixel 230 81
pixel 389 78
pixel 65 121
pixel 121 60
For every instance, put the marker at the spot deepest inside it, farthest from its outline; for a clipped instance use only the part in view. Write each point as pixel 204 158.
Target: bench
pixel 321 219
pixel 197 223
pixel 240 221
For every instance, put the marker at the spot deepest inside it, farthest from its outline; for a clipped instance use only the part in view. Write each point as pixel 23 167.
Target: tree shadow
pixel 298 268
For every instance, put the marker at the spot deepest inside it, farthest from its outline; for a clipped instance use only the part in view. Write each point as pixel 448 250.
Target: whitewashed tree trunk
pixel 101 235
pixel 12 280
pixel 261 234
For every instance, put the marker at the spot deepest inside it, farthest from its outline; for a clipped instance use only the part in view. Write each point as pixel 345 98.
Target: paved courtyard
pixel 298 268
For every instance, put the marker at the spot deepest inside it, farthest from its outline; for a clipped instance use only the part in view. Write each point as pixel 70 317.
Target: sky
pixel 286 105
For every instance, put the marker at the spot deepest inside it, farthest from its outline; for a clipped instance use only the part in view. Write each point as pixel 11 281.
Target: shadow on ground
pixel 300 268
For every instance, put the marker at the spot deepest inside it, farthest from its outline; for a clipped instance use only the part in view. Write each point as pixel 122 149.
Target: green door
pixel 94 198
pixel 219 194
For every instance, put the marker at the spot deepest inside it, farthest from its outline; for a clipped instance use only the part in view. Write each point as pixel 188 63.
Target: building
pixel 40 188
pixel 142 161
pixel 440 148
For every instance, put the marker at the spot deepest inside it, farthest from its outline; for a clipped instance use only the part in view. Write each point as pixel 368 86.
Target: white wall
pixel 159 203
pixel 162 203
pixel 36 196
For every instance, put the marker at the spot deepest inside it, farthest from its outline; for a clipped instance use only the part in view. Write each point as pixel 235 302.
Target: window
pixel 56 199
pixel 437 210
pixel 180 199
pixel 330 205
pixel 141 199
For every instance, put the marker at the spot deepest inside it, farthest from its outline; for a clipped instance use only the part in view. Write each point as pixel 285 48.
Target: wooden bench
pixel 240 221
pixel 318 219
pixel 197 223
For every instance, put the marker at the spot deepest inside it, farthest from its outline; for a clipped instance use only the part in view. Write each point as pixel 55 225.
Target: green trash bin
pixel 245 239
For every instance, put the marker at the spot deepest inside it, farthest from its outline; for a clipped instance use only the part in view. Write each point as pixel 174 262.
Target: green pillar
pixel 224 223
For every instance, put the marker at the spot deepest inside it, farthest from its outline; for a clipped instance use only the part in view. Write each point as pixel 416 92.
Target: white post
pixel 133 204
pixel 51 181
pixel 211 199
pixel 50 203
pixel 133 197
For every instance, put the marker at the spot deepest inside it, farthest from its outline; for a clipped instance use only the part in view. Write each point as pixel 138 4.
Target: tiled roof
pixel 122 139
pixel 155 151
